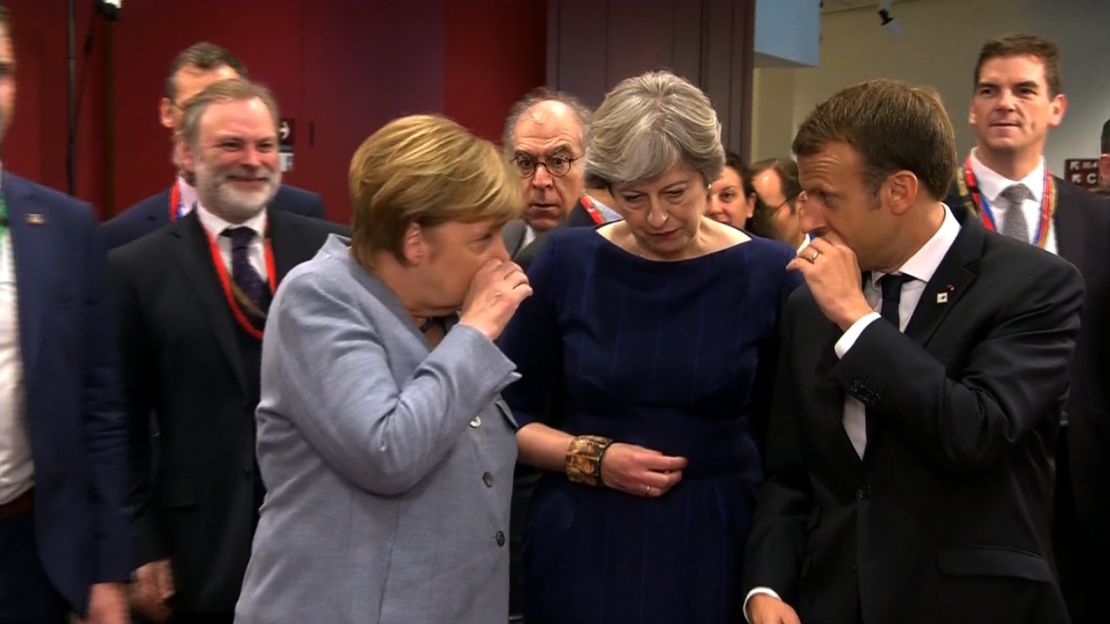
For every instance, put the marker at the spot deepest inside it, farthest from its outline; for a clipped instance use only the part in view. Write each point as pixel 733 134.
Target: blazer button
pixel 863 493
pixel 487 478
pixel 500 539
pixel 476 422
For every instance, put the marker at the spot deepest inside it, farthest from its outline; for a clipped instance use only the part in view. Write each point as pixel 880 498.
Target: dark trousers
pixel 26 594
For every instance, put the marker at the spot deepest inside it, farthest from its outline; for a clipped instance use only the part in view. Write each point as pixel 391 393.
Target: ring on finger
pixel 813 256
pixel 647 490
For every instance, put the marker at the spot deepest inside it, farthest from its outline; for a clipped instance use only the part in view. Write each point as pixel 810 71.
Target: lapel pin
pixel 942 297
pixel 35 218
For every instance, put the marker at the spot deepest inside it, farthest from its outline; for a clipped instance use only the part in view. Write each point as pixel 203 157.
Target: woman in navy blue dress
pixel 646 355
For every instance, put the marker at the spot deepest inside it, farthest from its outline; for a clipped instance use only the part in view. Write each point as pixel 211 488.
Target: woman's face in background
pixel 729 201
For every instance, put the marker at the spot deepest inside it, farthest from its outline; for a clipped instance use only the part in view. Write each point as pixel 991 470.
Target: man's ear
pixel 165 113
pixel 901 190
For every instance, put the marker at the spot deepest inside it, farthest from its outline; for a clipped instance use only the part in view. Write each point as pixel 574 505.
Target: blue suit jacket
pixel 153 212
pixel 71 389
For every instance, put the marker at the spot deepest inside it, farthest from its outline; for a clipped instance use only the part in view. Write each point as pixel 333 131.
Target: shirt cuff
pixel 852 335
pixel 758 590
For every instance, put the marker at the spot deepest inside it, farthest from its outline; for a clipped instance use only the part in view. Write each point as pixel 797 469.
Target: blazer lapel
pixel 194 258
pixel 286 243
pixel 948 284
pixel 32 232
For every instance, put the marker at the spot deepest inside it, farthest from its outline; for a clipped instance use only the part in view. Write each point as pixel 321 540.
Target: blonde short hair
pixel 428 170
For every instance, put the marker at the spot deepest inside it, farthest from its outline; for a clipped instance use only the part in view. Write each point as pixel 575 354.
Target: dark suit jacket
pixel 183 364
pixel 947 516
pixel 1082 224
pixel 153 212
pixel 71 389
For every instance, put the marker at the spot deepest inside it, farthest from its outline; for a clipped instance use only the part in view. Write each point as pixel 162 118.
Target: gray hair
pixel 536 96
pixel 231 90
pixel 648 124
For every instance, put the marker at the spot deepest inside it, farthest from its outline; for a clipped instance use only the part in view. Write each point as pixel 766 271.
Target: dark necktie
pixel 891 284
pixel 249 283
pixel 1013 222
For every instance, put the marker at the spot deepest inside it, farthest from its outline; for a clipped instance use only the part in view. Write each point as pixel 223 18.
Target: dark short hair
pixel 1020 44
pixel 1105 142
pixel 533 97
pixel 732 159
pixel 787 171
pixel 894 127
pixel 232 90
pixel 203 56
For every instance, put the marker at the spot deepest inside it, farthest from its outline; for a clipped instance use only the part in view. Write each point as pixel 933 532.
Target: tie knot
pixel 241 237
pixel 1015 193
pixel 891 284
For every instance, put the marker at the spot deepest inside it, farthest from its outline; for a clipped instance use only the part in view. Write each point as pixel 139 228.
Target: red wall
pixel 339 68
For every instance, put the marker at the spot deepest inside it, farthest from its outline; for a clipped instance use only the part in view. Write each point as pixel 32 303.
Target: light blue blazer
pixel 388 467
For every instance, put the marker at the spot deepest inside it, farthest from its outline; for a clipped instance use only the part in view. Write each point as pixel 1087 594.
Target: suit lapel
pixel 32 237
pixel 193 256
pixel 948 284
pixel 285 242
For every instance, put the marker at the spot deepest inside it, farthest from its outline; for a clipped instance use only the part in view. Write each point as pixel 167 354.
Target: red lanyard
pixel 591 209
pixel 175 201
pixel 225 280
pixel 969 189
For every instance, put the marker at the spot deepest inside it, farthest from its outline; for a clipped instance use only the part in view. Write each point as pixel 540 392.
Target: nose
pixel 656 215
pixel 541 178
pixel 252 157
pixel 810 216
pixel 498 248
pixel 1005 100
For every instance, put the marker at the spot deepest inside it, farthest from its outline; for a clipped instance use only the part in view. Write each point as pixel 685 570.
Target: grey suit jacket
pixel 388 467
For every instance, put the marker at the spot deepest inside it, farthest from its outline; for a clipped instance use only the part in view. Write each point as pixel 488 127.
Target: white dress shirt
pixel 16 467
pixel 921 266
pixel 991 185
pixel 215 226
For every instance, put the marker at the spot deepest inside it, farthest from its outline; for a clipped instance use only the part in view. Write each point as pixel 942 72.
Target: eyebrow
pixel 562 147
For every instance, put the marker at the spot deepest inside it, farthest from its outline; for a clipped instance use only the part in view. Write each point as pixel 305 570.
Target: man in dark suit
pixel 63 533
pixel 191 302
pixel 1104 160
pixel 909 459
pixel 195 68
pixel 1017 100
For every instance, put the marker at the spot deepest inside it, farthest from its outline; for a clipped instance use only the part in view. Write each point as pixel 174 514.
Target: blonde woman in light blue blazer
pixel 383 441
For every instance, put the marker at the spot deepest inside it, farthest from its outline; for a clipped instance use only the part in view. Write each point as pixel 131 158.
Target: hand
pixel 766 609
pixel 832 272
pixel 495 292
pixel 640 471
pixel 152 590
pixel 108 604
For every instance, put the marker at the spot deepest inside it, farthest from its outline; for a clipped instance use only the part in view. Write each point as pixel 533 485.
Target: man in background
pixel 191 303
pixel 775 182
pixel 195 68
pixel 1006 184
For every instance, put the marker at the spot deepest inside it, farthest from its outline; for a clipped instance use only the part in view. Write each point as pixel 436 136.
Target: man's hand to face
pixel 832 272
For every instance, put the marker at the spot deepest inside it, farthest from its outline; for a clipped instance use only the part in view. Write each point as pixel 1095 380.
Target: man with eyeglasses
pixel 195 68
pixel 544 139
pixel 776 183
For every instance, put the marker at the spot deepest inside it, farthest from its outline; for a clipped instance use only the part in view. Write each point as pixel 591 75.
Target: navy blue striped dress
pixel 674 356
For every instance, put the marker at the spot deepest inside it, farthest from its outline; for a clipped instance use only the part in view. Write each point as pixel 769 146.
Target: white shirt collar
pixel 924 262
pixel 215 225
pixel 992 183
pixel 188 195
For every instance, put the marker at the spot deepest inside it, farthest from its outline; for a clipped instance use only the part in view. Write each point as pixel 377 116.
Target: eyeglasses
pixel 557 165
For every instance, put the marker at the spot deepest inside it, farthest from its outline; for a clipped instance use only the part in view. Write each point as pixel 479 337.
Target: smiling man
pixel 191 300
pixel 1005 181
